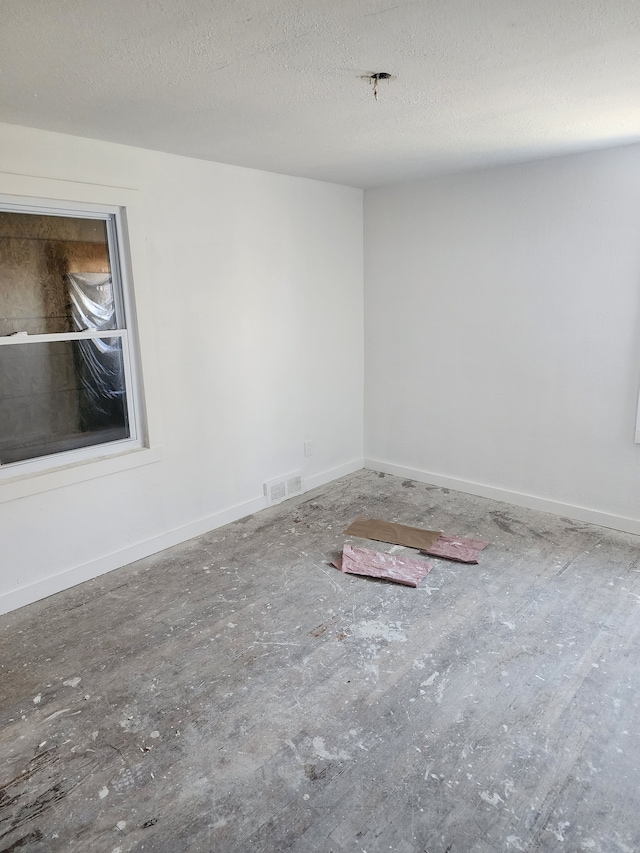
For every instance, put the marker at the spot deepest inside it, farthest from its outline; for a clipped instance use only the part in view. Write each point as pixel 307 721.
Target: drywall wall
pixel 249 294
pixel 502 318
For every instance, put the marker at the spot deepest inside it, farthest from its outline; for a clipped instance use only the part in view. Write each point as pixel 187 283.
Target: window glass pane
pixel 60 395
pixel 55 274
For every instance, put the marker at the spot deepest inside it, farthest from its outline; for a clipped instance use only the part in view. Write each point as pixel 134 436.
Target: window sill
pixel 24 485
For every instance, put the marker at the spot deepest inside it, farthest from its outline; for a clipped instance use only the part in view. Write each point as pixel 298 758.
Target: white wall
pixel 252 340
pixel 502 348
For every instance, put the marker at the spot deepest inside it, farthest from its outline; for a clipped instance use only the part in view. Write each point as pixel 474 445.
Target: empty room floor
pixel 237 693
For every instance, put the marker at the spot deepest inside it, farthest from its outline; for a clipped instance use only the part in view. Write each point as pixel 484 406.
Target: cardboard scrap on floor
pixel 374 564
pixel 430 542
pixel 456 548
pixel 396 534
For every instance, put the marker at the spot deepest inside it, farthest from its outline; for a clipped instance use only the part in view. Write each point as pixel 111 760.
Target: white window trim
pixel 34 194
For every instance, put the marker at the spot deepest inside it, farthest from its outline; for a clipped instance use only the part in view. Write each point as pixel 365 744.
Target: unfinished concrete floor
pixel 238 694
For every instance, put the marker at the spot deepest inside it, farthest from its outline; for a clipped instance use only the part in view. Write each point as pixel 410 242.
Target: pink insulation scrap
pixel 374 564
pixel 456 548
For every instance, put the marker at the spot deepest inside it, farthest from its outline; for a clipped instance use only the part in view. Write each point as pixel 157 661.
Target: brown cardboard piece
pixel 396 534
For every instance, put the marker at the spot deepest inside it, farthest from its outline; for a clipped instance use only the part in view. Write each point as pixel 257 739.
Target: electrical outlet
pixel 308 448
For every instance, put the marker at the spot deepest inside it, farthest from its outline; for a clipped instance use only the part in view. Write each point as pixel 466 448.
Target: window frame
pixel 114 455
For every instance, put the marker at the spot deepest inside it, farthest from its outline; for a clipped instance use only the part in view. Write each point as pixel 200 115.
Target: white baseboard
pixel 333 474
pixel 579 513
pixel 71 577
pixel 64 580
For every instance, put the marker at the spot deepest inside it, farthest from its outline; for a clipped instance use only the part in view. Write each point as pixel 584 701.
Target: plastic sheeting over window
pixel 99 360
pixel 92 302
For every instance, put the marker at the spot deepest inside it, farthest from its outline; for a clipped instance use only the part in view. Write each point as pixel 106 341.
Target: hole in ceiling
pixel 374 78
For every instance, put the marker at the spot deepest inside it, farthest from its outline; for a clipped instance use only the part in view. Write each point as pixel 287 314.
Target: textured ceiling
pixel 275 84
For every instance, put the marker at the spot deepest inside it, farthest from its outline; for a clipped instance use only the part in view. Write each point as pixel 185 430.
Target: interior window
pixel 64 355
